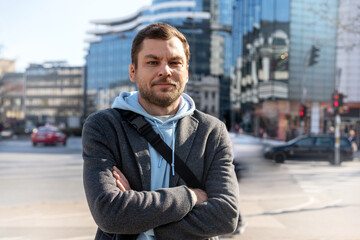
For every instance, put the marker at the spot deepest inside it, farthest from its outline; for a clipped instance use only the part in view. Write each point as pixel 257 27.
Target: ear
pixel 132 73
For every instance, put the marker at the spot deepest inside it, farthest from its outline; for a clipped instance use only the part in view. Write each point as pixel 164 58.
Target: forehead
pixel 172 47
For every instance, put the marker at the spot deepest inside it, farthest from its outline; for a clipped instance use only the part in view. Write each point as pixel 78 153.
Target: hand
pixel 198 195
pixel 121 181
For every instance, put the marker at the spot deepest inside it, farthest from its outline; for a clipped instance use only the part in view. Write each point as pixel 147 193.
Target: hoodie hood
pixel 130 101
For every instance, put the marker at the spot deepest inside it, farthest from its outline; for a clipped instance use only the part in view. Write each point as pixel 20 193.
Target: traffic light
pixel 314 55
pixel 302 112
pixel 341 98
pixel 337 102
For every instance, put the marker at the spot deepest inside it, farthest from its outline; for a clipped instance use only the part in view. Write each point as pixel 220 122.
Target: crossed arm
pixel 198 195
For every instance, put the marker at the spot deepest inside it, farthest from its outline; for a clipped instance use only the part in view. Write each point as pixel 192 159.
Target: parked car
pixel 319 147
pixel 48 135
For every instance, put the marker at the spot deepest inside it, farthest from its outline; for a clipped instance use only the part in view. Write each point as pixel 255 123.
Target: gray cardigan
pixel 202 142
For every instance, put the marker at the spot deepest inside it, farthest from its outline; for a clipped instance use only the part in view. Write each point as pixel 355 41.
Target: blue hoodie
pixel 160 169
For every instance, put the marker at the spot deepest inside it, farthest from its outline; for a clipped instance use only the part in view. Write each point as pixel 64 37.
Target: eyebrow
pixel 151 56
pixel 157 58
pixel 176 58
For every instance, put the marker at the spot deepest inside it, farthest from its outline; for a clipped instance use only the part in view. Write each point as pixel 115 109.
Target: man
pixel 132 192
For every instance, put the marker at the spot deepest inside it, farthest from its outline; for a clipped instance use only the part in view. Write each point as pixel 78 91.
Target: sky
pixel 35 31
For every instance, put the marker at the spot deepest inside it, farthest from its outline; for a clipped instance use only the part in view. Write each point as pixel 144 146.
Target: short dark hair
pixel 161 31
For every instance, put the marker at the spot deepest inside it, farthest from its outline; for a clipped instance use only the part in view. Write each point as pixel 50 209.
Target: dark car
pixel 310 147
pixel 48 135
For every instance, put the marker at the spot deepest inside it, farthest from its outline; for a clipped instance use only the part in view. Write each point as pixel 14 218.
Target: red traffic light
pixel 337 100
pixel 302 111
pixel 336 103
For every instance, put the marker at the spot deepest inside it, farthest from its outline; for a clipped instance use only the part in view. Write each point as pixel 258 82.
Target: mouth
pixel 164 83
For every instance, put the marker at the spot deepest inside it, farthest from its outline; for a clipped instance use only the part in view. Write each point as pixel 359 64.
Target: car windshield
pixel 294 140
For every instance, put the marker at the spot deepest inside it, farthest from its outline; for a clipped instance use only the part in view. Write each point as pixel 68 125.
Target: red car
pixel 48 135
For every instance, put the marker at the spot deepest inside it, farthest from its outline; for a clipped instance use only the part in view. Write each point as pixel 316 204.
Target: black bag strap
pixel 144 128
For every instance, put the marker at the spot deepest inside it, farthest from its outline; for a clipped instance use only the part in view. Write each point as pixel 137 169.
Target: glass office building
pixel 310 27
pixel 260 62
pixel 272 40
pixel 205 23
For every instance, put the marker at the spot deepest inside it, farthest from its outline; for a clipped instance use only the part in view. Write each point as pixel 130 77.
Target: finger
pixel 122 176
pixel 116 175
pixel 116 170
pixel 125 183
pixel 119 185
pixel 118 180
pixel 119 175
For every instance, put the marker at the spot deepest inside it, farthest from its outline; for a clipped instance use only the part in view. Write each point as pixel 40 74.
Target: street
pixel 42 196
pixel 298 199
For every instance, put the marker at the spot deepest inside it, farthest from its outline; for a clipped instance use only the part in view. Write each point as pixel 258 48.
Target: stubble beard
pixel 163 100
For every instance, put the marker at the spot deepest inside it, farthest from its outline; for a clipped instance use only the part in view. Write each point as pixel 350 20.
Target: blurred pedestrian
pixel 352 139
pixel 131 191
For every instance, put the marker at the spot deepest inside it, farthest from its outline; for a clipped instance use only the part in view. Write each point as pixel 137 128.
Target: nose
pixel 164 70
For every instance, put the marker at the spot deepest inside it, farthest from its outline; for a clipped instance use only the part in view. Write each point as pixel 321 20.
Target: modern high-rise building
pixel 205 23
pixel 275 70
pixel 260 73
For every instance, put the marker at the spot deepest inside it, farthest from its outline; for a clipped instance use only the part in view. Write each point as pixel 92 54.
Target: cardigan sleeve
pixel 131 212
pixel 219 214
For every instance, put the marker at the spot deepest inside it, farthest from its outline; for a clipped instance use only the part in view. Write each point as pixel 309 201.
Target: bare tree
pixel 347 21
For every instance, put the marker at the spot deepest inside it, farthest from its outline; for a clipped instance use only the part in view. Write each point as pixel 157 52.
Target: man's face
pixel 162 72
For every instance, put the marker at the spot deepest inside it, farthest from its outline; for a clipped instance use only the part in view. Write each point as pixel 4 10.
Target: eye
pixel 152 62
pixel 175 63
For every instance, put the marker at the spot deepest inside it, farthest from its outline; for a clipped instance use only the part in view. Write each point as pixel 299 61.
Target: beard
pixel 168 97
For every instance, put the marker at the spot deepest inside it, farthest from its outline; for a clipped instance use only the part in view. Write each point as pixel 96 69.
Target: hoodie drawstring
pixel 173 150
pixel 162 137
pixel 172 147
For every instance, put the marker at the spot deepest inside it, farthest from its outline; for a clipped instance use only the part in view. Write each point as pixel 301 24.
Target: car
pixel 48 135
pixel 319 147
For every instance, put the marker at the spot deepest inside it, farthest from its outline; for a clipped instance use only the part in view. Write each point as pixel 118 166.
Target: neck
pixel 156 110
